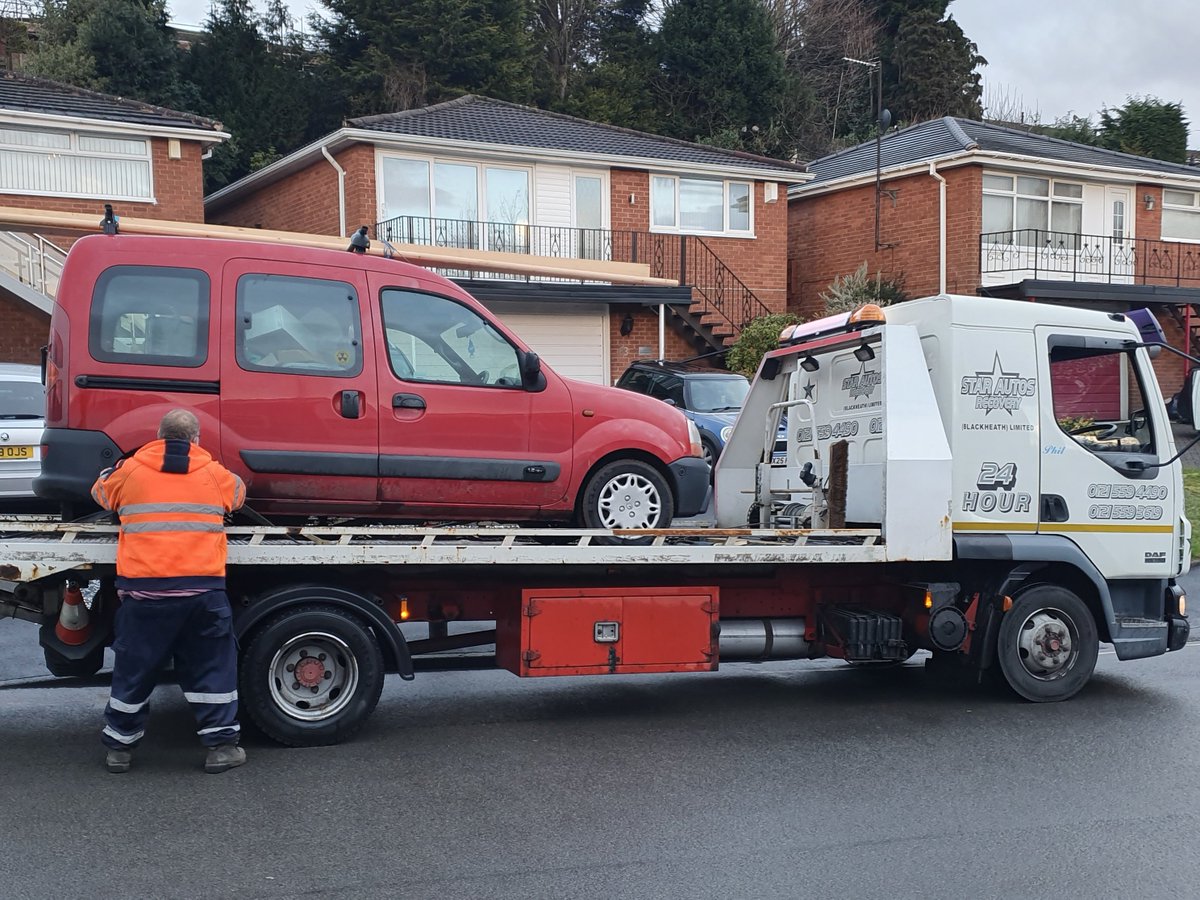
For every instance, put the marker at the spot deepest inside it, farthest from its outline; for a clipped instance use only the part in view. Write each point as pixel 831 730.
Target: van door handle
pixel 351 405
pixel 408 401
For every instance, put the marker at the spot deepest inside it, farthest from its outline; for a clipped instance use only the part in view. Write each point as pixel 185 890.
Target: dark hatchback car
pixel 711 398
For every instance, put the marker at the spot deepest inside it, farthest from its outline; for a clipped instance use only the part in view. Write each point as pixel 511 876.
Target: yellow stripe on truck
pixel 1062 526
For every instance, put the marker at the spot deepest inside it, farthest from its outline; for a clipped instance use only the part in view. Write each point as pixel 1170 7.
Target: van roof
pixel 206 249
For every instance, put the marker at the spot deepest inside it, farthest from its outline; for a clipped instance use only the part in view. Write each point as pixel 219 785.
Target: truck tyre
pixel 627 493
pixel 1048 644
pixel 311 676
pixel 61 667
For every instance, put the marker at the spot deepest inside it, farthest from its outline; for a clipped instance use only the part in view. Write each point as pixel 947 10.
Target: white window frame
pixel 1194 209
pixel 72 149
pixel 1050 199
pixel 725 184
pixel 479 165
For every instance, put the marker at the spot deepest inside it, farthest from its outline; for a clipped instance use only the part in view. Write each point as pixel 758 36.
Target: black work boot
pixel 118 761
pixel 226 756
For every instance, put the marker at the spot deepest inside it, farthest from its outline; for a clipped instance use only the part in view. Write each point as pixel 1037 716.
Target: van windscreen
pixel 151 316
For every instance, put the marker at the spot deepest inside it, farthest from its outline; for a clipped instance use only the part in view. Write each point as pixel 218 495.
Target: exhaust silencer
pixel 762 639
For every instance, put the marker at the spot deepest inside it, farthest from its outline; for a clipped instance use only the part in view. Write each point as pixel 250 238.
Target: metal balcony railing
pixel 717 290
pixel 1062 256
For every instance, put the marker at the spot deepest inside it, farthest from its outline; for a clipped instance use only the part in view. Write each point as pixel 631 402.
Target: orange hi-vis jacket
pixel 171 497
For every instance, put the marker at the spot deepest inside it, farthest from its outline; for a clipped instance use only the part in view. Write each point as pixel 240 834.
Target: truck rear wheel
pixel 1048 644
pixel 311 676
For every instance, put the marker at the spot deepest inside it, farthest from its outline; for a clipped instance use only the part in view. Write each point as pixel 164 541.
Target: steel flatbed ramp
pixel 34 549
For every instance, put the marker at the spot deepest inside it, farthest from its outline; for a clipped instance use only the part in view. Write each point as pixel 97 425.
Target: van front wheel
pixel 627 494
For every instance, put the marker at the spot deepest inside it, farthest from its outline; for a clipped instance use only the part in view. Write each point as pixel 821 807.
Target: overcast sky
pixel 1046 57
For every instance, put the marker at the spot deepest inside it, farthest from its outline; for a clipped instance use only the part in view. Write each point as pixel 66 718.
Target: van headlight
pixel 694 437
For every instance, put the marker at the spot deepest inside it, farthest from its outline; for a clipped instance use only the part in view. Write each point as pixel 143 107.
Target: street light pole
pixel 876 72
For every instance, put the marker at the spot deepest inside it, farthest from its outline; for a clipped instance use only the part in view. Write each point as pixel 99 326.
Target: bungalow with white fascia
pixel 485 174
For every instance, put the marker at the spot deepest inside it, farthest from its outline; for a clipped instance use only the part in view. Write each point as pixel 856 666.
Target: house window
pixel 1181 215
pixel 438 202
pixel 70 164
pixel 1032 211
pixel 705 205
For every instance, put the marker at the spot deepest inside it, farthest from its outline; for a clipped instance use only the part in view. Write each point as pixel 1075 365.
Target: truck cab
pixel 1016 442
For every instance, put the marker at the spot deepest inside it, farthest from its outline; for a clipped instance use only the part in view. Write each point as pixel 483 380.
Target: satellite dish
pixel 885 119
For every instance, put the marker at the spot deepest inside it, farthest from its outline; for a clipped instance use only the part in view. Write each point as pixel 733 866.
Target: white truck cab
pixel 976 430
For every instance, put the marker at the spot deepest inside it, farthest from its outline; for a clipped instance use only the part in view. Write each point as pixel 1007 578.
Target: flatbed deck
pixel 34 548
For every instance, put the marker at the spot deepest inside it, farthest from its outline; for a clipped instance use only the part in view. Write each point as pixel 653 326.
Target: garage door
pixel 573 340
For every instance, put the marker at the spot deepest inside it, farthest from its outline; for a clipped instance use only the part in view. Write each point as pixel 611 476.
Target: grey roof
pixel 947 136
pixel 474 119
pixel 26 93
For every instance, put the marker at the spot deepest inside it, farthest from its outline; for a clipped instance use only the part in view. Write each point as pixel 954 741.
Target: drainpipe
pixel 941 227
pixel 341 173
pixel 662 331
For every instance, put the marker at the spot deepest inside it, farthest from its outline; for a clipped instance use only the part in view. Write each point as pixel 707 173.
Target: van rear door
pixel 299 412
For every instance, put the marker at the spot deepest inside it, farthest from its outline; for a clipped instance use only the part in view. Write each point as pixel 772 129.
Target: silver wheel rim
pixel 1046 643
pixel 709 456
pixel 629 500
pixel 313 676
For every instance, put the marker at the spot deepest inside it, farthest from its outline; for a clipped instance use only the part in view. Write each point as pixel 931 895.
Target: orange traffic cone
pixel 73 626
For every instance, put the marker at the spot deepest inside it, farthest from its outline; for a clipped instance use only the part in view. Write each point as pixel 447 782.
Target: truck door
pixel 459 433
pixel 299 413
pixel 1102 420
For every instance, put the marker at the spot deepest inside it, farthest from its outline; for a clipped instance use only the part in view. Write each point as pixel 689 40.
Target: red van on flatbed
pixel 340 384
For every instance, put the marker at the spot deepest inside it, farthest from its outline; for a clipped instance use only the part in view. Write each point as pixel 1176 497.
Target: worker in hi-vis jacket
pixel 171 498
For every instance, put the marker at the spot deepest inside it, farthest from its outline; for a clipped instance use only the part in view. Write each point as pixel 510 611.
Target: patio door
pixel 1118 210
pixel 588 211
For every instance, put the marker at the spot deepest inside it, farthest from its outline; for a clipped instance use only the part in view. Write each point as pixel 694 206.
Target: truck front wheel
pixel 311 676
pixel 1048 644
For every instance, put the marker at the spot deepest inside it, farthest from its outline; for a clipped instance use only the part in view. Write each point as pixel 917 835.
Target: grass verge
pixel 1191 495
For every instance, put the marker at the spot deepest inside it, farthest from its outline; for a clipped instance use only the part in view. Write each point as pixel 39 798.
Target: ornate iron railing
pixel 718 291
pixel 1062 256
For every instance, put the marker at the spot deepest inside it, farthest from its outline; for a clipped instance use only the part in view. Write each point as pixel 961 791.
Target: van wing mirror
pixel 532 378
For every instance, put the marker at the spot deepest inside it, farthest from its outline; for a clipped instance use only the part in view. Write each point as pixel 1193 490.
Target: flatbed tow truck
pixel 940 489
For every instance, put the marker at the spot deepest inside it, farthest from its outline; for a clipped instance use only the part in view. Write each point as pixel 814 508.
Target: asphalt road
pixel 783 781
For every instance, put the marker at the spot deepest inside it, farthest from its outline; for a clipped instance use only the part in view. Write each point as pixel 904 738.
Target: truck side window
pixel 301 326
pixel 1098 400
pixel 436 339
pixel 150 316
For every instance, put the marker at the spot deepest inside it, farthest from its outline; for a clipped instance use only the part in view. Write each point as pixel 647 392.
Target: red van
pixel 339 384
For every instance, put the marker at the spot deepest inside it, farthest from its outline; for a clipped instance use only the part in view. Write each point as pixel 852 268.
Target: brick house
pixel 974 208
pixel 481 173
pixel 66 149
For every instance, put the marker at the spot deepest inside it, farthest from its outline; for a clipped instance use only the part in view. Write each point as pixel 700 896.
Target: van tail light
pixel 54 397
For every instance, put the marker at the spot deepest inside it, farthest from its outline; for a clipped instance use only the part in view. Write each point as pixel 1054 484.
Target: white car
pixel 22 414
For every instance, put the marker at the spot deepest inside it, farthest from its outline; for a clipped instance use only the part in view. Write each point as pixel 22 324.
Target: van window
pixel 432 338
pixel 150 316
pixel 302 326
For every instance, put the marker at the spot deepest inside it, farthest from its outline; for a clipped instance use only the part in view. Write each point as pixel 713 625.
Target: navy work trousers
pixel 198 630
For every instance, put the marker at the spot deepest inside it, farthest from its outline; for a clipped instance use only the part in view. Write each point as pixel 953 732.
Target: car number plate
pixel 16 453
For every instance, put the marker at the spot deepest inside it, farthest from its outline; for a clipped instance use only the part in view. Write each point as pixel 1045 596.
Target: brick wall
pixel 642 342
pixel 833 234
pixel 307 201
pixel 23 330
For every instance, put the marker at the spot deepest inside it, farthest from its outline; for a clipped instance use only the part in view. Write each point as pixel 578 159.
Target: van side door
pixel 299 412
pixel 460 434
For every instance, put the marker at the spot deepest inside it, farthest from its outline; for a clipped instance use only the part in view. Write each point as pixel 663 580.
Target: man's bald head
pixel 180 425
